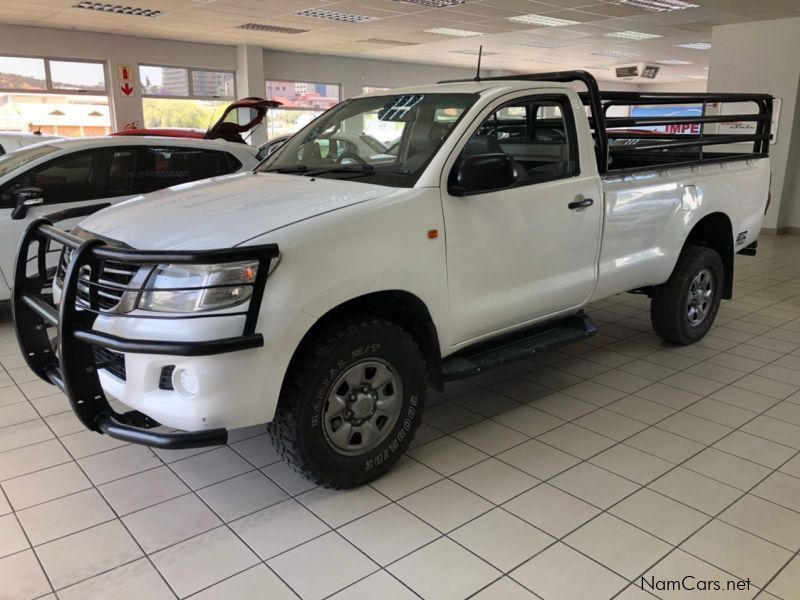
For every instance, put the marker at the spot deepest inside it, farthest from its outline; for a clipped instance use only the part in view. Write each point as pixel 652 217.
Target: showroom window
pixel 54 96
pixel 371 89
pixel 183 97
pixel 302 102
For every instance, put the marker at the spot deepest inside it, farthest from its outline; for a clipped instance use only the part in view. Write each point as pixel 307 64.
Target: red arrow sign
pixel 126 89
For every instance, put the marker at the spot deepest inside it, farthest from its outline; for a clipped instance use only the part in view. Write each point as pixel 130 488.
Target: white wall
pixel 763 57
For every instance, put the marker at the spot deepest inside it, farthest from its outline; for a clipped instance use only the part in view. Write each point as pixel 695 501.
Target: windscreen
pixel 386 140
pixel 18 158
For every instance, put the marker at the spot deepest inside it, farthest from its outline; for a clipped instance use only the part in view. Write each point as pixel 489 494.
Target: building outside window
pixel 302 102
pixel 183 97
pixel 54 96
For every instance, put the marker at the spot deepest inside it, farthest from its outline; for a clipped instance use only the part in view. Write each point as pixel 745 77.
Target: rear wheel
pixel 351 403
pixel 684 308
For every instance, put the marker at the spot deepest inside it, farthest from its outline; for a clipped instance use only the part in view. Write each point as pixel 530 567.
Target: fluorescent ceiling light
pixel 695 46
pixel 545 60
pixel 433 3
pixel 543 44
pixel 332 15
pixel 385 42
pixel 119 9
pixel 598 67
pixel 453 32
pixel 271 28
pixel 474 52
pixel 658 5
pixel 673 61
pixel 632 35
pixel 615 54
pixel 541 20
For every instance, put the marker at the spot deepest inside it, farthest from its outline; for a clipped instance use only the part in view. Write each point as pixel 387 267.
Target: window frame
pixel 189 73
pixel 569 123
pixel 48 82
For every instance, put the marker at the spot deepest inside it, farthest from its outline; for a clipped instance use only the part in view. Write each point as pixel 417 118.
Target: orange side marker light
pixel 433 234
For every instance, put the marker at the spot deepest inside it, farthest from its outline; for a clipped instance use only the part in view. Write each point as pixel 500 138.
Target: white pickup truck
pixel 325 291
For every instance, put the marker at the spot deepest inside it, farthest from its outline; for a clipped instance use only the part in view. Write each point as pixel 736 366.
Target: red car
pixel 239 118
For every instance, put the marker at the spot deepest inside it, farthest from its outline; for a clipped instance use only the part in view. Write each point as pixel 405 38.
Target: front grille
pixel 114 275
pixel 112 362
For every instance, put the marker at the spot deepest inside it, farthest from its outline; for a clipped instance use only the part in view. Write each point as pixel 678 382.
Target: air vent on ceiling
pixel 474 52
pixel 615 54
pixel 633 35
pixel 543 44
pixel 453 32
pixel 658 5
pixel 119 9
pixel 541 20
pixel 433 3
pixel 271 28
pixel 332 15
pixel 695 45
pixel 383 42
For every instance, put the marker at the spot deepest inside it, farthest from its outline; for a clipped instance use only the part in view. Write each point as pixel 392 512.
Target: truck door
pixel 527 249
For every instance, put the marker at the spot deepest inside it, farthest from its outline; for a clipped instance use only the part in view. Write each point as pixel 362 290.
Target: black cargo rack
pixel 70 362
pixel 645 149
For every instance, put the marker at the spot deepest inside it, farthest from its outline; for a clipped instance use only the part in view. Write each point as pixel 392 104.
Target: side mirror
pixel 482 173
pixel 25 198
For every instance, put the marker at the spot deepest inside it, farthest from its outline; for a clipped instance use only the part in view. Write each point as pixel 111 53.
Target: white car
pixel 14 141
pixel 66 173
pixel 323 294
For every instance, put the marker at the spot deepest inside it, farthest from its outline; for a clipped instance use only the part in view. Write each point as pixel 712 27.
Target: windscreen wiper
pixel 357 170
pixel 290 170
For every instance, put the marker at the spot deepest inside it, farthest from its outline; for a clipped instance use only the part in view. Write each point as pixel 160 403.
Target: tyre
pixel 351 403
pixel 684 308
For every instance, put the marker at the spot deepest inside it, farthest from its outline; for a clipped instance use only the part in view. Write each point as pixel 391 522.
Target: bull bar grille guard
pixel 71 365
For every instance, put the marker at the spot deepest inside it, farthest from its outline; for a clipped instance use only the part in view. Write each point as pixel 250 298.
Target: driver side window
pixel 536 137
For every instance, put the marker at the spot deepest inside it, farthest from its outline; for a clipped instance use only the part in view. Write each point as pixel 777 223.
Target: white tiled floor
pixel 568 476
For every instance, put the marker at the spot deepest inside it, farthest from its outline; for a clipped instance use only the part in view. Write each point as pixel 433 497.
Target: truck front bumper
pixel 70 360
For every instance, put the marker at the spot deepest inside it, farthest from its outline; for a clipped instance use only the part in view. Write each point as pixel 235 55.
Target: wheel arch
pixel 400 307
pixel 715 231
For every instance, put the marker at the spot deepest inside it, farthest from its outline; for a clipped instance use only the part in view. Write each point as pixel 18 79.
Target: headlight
pixel 219 286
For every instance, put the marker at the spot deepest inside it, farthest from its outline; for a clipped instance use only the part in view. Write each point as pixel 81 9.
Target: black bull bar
pixel 69 361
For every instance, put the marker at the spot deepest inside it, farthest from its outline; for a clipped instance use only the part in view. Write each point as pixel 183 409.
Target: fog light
pixel 185 382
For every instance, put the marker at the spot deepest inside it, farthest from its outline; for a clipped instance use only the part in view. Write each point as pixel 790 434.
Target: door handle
pixel 580 203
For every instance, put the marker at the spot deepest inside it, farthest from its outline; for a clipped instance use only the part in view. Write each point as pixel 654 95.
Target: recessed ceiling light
pixel 695 46
pixel 658 5
pixel 474 52
pixel 271 28
pixel 119 9
pixel 541 20
pixel 615 54
pixel 544 44
pixel 433 3
pixel 632 35
pixel 384 42
pixel 673 61
pixel 332 15
pixel 453 32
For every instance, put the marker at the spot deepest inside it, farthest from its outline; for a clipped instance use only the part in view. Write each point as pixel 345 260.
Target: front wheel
pixel 351 403
pixel 684 308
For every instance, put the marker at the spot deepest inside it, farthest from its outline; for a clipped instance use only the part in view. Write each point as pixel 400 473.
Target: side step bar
pixel 497 353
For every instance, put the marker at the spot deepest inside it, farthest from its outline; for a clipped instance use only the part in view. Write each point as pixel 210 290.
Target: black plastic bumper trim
pixel 169 441
pixel 220 346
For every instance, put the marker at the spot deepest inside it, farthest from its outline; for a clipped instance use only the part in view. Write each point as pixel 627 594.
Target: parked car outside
pixel 66 173
pixel 14 141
